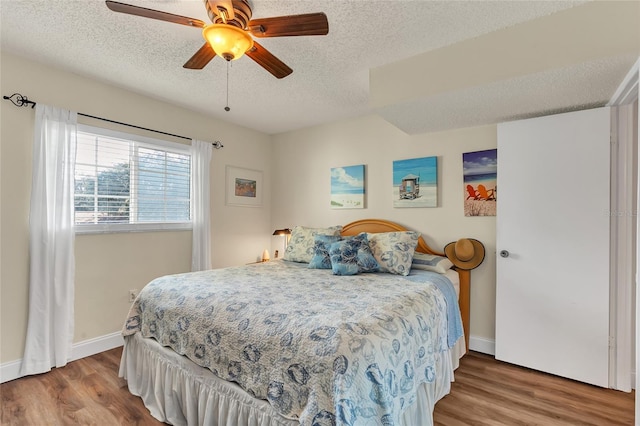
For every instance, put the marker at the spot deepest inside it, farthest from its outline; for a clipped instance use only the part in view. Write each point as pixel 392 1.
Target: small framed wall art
pixel 480 172
pixel 347 187
pixel 244 187
pixel 415 182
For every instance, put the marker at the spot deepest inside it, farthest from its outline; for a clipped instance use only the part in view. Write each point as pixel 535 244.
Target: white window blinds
pixel 127 182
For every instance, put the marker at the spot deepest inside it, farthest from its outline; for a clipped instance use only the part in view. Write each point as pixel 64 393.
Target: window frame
pixel 138 142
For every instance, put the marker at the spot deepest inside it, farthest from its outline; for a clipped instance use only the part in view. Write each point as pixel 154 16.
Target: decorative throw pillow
pixel 431 262
pixel 394 250
pixel 300 248
pixel 352 256
pixel 321 259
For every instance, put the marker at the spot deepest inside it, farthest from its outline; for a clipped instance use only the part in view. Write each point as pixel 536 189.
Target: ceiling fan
pixel 229 35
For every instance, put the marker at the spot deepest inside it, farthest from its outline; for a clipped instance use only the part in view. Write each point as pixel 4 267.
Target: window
pixel 127 182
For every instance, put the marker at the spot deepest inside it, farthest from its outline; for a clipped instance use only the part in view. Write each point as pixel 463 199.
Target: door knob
pixel 504 253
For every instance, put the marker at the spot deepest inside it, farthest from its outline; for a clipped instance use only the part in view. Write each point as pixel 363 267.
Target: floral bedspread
pixel 321 348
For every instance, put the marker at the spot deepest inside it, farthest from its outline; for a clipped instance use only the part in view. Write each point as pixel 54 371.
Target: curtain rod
pixel 22 101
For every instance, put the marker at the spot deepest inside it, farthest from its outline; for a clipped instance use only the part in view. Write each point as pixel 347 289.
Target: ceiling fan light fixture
pixel 227 41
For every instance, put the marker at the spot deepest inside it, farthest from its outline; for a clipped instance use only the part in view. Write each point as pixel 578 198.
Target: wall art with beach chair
pixel 347 187
pixel 480 172
pixel 415 182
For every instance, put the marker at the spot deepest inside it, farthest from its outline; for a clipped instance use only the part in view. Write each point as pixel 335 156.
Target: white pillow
pixel 300 248
pixel 394 250
pixel 431 262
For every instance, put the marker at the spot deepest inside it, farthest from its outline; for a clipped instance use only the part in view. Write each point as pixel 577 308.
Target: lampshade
pixel 285 231
pixel 227 41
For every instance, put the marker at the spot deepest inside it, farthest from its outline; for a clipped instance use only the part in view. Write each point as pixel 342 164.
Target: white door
pixel 552 291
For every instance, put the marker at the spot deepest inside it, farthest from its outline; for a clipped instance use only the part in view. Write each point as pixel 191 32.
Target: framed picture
pixel 415 182
pixel 243 187
pixel 347 187
pixel 480 189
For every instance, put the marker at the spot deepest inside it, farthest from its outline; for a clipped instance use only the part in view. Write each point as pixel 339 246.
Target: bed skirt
pixel 177 391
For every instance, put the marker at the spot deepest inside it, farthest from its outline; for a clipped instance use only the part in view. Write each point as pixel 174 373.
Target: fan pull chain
pixel 226 108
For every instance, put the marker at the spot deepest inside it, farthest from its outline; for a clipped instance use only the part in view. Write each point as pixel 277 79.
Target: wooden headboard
pixel 376 226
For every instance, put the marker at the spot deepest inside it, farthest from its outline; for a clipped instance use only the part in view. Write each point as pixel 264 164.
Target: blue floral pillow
pixel 394 250
pixel 352 256
pixel 321 259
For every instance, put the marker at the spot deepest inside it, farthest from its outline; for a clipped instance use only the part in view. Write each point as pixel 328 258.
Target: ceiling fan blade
pixel 227 5
pixel 292 25
pixel 201 58
pixel 266 60
pixel 154 14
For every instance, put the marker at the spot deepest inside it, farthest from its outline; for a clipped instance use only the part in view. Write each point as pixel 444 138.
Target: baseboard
pixel 480 344
pixel 11 370
pixel 95 346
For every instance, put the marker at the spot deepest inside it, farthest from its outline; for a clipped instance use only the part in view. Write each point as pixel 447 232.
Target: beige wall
pixel 296 165
pixel 108 265
pixel 301 179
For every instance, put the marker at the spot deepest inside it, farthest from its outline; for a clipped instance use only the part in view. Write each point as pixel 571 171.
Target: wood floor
pixel 486 392
pixel 84 392
pixel 490 392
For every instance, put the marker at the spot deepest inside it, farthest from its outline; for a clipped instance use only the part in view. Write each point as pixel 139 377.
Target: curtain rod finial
pixel 19 101
pixel 217 145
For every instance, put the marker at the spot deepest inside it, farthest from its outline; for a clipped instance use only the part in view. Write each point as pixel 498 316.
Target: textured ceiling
pixel 543 93
pixel 330 80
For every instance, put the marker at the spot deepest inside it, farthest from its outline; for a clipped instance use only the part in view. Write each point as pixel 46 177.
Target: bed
pixel 280 343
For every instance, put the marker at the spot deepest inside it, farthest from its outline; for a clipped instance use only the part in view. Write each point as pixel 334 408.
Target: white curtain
pixel 51 224
pixel 200 196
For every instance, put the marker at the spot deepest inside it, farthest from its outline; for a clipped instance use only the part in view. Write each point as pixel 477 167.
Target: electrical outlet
pixel 133 293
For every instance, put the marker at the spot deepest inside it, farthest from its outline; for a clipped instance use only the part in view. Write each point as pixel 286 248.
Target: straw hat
pixel 466 253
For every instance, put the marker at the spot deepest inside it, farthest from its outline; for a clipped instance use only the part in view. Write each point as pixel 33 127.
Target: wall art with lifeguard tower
pixel 415 182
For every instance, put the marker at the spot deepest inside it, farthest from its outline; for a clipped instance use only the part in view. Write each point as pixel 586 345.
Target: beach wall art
pixel 480 173
pixel 415 182
pixel 347 187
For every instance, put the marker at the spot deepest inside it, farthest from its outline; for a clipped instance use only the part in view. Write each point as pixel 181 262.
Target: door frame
pixel 623 277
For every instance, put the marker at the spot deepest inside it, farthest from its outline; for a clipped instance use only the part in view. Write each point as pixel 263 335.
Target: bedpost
pixel 465 254
pixel 464 301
